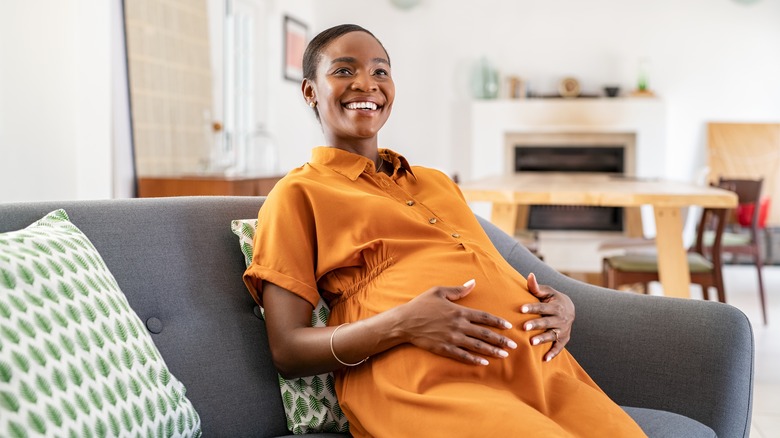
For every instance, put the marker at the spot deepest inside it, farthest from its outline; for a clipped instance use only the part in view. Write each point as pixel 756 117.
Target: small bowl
pixel 612 91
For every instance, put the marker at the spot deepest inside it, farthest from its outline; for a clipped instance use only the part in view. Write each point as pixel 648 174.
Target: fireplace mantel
pixel 493 120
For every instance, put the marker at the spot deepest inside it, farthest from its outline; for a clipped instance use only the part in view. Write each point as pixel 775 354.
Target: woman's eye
pixel 342 71
pixel 381 72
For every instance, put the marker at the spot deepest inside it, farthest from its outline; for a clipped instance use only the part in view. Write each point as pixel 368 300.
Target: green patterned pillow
pixel 309 402
pixel 75 360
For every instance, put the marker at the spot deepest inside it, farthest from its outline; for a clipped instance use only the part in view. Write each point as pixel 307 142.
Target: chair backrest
pixel 748 193
pixel 713 220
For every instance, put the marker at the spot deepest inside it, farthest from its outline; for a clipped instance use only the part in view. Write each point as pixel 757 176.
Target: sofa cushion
pixel 74 357
pixel 310 403
pixel 663 424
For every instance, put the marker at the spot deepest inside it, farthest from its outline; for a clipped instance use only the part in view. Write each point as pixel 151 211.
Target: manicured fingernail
pixel 548 358
pixel 529 326
pixel 503 353
pixel 470 283
pixel 483 362
pixel 535 341
pixel 511 344
pixel 507 324
pixel 524 309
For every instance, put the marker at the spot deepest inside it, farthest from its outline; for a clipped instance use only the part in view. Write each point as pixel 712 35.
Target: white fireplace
pixel 574 120
pixel 637 124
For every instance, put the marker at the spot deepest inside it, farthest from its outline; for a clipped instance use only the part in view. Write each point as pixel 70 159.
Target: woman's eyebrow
pixel 350 60
pixel 347 59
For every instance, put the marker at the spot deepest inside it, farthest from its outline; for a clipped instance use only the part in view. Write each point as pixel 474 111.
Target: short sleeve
pixel 285 245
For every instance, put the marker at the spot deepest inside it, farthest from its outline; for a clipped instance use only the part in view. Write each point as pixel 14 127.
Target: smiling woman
pixel 383 243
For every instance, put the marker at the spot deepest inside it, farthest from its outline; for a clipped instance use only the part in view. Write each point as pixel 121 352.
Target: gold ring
pixel 555 332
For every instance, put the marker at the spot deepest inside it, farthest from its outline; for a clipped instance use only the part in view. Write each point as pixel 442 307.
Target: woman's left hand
pixel 557 315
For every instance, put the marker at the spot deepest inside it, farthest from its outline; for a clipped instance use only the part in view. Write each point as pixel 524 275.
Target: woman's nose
pixel 364 82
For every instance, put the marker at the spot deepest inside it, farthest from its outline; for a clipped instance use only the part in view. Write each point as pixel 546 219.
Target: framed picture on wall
pixel 295 38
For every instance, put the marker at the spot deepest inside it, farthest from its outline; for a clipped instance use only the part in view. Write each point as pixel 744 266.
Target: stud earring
pixel 312 104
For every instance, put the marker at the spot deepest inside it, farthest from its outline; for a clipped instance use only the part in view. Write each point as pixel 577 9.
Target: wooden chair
pixel 741 239
pixel 642 267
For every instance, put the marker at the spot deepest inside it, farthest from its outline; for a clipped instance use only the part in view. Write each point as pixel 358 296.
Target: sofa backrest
pixel 180 267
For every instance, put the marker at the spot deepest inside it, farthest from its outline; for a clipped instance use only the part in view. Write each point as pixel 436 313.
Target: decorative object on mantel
pixel 642 86
pixel 484 80
pixel 612 90
pixel 516 87
pixel 569 87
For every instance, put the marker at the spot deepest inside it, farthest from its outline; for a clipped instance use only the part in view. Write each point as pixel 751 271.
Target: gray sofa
pixel 180 266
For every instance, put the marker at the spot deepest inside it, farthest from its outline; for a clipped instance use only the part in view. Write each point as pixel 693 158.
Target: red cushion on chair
pixel 745 213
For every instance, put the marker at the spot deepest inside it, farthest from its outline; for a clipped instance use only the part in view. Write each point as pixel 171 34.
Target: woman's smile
pixel 368 106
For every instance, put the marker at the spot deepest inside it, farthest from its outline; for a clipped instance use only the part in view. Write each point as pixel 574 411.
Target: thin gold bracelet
pixel 334 352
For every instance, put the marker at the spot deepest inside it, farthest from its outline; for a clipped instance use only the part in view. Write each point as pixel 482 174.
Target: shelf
pixel 205 185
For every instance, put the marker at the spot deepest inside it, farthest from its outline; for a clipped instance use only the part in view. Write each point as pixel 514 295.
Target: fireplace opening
pixel 607 159
pixel 581 158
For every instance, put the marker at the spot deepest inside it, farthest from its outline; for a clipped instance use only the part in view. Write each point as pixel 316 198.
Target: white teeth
pixel 362 105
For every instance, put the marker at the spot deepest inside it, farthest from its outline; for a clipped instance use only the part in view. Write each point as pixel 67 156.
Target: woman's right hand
pixel 434 322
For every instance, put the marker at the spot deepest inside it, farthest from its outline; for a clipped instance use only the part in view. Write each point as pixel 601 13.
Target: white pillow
pixel 310 403
pixel 75 359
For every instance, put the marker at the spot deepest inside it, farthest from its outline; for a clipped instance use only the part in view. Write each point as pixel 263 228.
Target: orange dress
pixel 369 242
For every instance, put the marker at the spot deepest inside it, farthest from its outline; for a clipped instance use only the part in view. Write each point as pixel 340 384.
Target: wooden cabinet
pixel 151 187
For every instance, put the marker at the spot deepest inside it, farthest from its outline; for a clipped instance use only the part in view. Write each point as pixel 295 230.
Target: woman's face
pixel 353 90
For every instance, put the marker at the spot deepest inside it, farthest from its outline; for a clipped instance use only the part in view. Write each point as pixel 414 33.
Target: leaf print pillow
pixel 310 403
pixel 75 359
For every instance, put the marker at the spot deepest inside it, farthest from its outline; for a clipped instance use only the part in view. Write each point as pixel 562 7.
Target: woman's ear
pixel 307 88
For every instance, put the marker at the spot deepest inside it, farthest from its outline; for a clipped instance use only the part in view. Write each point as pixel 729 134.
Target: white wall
pixel 37 87
pixel 54 100
pixel 709 60
pixel 93 111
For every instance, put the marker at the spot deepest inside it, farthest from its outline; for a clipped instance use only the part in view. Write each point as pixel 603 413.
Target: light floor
pixel 568 252
pixel 741 292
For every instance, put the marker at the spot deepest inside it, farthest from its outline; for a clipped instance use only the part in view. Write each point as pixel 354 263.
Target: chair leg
pixel 761 294
pixel 721 292
pixel 719 285
pixel 607 275
pixel 768 242
pixel 705 292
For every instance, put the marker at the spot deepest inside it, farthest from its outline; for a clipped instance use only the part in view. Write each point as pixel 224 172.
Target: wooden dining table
pixel 510 194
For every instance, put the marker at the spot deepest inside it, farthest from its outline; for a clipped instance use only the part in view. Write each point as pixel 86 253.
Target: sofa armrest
pixel 690 357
